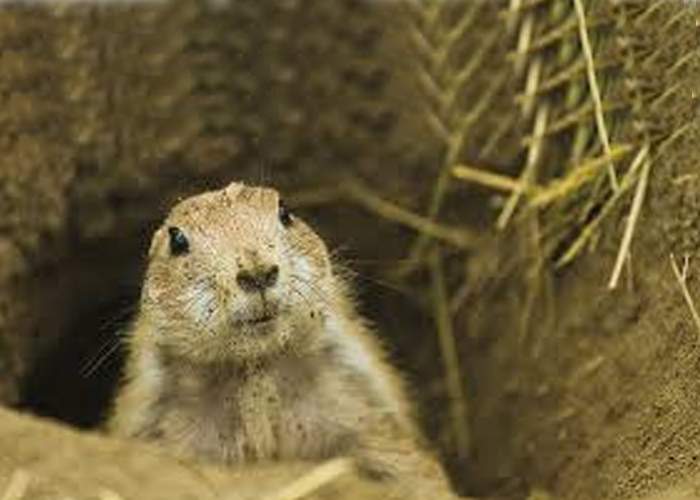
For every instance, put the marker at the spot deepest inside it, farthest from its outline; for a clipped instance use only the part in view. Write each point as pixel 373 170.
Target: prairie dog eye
pixel 285 215
pixel 179 244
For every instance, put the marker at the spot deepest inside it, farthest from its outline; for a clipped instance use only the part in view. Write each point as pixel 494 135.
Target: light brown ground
pixel 41 460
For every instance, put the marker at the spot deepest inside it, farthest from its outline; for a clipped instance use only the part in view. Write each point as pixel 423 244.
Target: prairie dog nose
pixel 257 279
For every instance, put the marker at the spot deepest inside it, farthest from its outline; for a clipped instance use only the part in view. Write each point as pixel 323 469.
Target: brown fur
pixel 311 383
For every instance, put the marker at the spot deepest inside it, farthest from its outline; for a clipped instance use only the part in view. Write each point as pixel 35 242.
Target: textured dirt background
pixel 109 114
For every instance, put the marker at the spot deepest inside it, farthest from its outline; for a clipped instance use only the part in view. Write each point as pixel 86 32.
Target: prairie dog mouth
pixel 259 320
pixel 256 318
pixel 257 314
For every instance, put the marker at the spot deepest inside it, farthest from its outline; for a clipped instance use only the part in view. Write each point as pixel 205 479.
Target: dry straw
pixel 595 90
pixel 640 193
pixel 18 485
pixel 450 357
pixel 315 479
pixel 443 79
pixel 682 278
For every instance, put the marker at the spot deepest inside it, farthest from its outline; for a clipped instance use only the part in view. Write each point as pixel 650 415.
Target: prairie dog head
pixel 233 275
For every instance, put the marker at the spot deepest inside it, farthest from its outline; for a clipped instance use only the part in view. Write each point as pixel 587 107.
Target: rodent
pixel 247 346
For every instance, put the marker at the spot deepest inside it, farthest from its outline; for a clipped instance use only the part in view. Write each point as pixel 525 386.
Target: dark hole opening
pixel 84 305
pixel 76 378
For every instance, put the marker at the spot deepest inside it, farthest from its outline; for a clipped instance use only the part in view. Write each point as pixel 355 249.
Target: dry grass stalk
pixel 682 278
pixel 555 36
pixel 18 486
pixel 460 238
pixel 653 7
pixel 523 45
pixel 499 132
pixel 571 73
pixel 324 474
pixel 574 92
pixel 575 118
pixel 561 78
pixel 527 104
pixel 528 174
pixel 595 90
pixel 537 281
pixel 512 19
pixel 443 80
pixel 356 192
pixel 512 15
pixel 542 196
pixel 585 370
pixel 590 229
pixel 677 134
pixel 109 495
pixel 664 96
pixel 450 357
pixel 682 61
pixel 461 78
pixel 633 218
pixel 517 6
pixel 578 176
pixel 485 178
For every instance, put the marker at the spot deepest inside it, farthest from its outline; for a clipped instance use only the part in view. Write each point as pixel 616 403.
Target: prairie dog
pixel 247 347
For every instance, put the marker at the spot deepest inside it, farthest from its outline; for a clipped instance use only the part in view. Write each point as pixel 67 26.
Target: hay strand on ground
pixel 324 474
pixel 109 495
pixel 18 485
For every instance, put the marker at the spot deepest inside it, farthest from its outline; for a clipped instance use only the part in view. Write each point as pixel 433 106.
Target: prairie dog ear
pixel 234 189
pixel 157 242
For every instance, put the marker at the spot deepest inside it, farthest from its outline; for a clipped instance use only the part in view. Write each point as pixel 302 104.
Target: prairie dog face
pixel 233 275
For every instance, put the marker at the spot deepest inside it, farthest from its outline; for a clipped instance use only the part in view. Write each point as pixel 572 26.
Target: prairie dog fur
pixel 247 347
